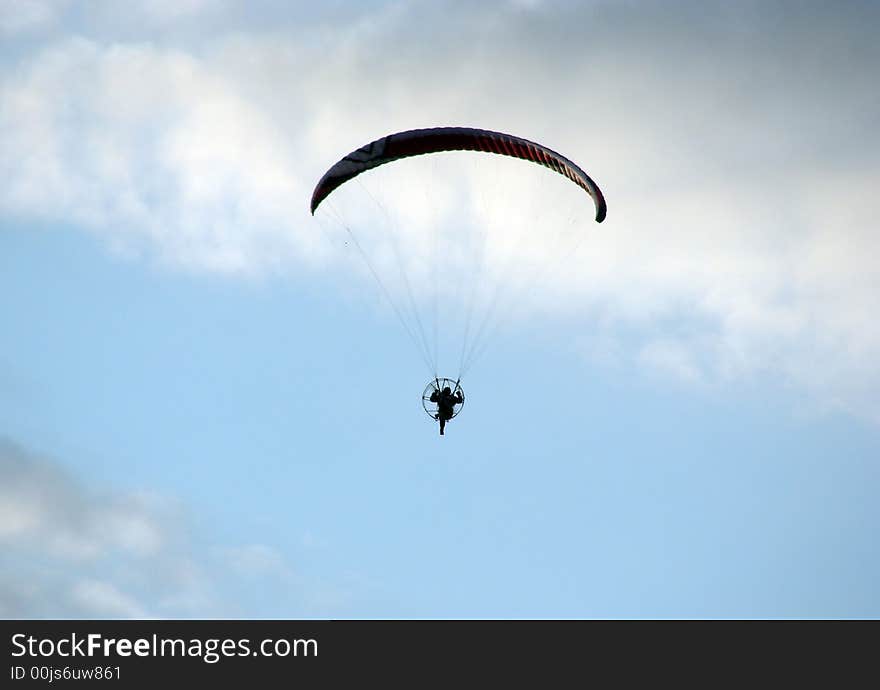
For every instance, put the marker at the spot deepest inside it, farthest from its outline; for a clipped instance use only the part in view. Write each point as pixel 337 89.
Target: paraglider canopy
pixel 416 142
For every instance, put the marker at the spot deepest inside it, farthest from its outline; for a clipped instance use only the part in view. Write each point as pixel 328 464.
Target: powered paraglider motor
pixel 443 399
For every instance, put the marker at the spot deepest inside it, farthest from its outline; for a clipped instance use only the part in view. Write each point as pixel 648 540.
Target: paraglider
pixel 442 398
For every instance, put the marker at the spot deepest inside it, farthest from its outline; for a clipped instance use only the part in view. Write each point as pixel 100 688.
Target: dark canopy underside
pixel 416 142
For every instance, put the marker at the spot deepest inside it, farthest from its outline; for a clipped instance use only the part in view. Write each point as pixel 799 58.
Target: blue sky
pixel 208 410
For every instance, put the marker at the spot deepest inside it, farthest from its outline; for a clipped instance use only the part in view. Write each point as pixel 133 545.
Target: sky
pixel 209 408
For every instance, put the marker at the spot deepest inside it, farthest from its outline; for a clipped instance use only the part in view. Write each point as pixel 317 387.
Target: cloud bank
pixel 70 551
pixel 735 143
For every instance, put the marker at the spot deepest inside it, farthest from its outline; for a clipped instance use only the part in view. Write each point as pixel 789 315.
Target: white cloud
pixel 735 145
pixel 152 150
pixel 17 16
pixel 671 357
pixel 71 551
pixel 170 10
pixel 104 600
